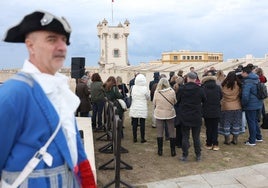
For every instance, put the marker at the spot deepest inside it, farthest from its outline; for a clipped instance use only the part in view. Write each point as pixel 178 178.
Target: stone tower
pixel 113 44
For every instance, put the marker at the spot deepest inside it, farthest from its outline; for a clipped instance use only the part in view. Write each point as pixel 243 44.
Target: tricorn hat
pixel 38 21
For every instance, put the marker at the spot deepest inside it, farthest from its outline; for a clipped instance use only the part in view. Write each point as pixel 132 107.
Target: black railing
pixel 114 124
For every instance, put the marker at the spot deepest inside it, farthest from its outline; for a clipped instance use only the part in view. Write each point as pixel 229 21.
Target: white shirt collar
pixel 65 102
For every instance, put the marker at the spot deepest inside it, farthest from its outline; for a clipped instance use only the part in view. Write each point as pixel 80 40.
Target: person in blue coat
pixel 37 108
pixel 251 105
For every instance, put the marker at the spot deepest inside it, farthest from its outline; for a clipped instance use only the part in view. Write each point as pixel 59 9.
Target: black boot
pixel 227 140
pixel 160 145
pixel 134 131
pixel 235 139
pixel 142 129
pixel 172 146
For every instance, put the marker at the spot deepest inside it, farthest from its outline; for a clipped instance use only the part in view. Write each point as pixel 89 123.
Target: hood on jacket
pixel 209 82
pixel 251 77
pixel 207 78
pixel 140 80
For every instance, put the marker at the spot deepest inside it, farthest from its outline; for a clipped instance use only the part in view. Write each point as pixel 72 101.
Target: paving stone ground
pixel 255 176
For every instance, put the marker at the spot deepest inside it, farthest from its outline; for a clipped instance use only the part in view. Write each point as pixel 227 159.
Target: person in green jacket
pixel 98 100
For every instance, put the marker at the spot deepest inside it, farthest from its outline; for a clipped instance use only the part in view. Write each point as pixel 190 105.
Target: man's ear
pixel 29 45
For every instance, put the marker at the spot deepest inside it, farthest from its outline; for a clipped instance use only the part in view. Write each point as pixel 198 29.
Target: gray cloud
pixel 233 27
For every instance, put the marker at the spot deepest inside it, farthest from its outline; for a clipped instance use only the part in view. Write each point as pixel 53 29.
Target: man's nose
pixel 62 44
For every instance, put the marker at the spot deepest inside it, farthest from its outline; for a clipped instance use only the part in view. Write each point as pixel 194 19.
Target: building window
pixel 184 57
pixel 196 57
pixel 188 57
pixel 200 57
pixel 116 53
pixel 192 57
pixel 175 58
pixel 116 36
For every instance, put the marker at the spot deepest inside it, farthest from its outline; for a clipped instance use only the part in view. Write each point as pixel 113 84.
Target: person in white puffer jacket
pixel 138 110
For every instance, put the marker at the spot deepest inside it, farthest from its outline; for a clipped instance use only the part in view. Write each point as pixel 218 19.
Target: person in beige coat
pixel 164 113
pixel 231 110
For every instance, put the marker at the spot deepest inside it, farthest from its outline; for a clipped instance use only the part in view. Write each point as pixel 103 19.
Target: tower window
pixel 116 53
pixel 116 36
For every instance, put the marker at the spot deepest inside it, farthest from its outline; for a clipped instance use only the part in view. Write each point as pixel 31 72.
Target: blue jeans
pixel 253 126
pixel 97 109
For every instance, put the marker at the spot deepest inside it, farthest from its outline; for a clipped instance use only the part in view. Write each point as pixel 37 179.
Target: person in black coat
pixel 212 111
pixel 190 98
pixel 82 91
pixel 152 87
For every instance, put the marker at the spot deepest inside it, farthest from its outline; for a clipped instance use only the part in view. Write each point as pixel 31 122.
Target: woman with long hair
pixel 121 86
pixel 97 99
pixel 112 94
pixel 231 110
pixel 220 76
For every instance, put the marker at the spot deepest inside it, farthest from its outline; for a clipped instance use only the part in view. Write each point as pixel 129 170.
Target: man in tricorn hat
pixel 39 140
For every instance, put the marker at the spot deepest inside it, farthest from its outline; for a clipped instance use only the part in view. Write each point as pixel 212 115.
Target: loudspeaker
pixel 78 67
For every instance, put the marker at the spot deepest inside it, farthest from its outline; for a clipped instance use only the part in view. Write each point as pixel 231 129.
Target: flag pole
pixel 112 11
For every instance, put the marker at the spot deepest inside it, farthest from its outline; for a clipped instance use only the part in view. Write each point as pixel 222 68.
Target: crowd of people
pixel 41 145
pixel 226 104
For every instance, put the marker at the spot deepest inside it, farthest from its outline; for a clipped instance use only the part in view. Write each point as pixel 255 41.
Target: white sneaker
pixel 249 144
pixel 261 140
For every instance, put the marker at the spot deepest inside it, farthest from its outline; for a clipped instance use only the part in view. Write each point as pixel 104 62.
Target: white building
pixel 113 44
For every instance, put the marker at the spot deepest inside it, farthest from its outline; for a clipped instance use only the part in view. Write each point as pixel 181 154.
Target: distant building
pixel 113 44
pixel 181 56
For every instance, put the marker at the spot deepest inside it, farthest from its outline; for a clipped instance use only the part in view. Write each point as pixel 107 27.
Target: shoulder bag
pixel 166 98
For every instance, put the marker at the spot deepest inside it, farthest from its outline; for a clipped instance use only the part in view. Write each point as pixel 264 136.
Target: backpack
pixel 264 124
pixel 261 91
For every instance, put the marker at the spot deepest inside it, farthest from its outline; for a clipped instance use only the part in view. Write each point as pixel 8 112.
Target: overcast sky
pixel 234 27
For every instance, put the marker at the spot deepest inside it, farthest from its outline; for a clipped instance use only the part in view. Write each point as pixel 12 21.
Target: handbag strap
pixel 34 161
pixel 165 98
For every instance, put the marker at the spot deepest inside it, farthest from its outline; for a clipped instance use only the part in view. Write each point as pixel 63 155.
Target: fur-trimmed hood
pixel 207 78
